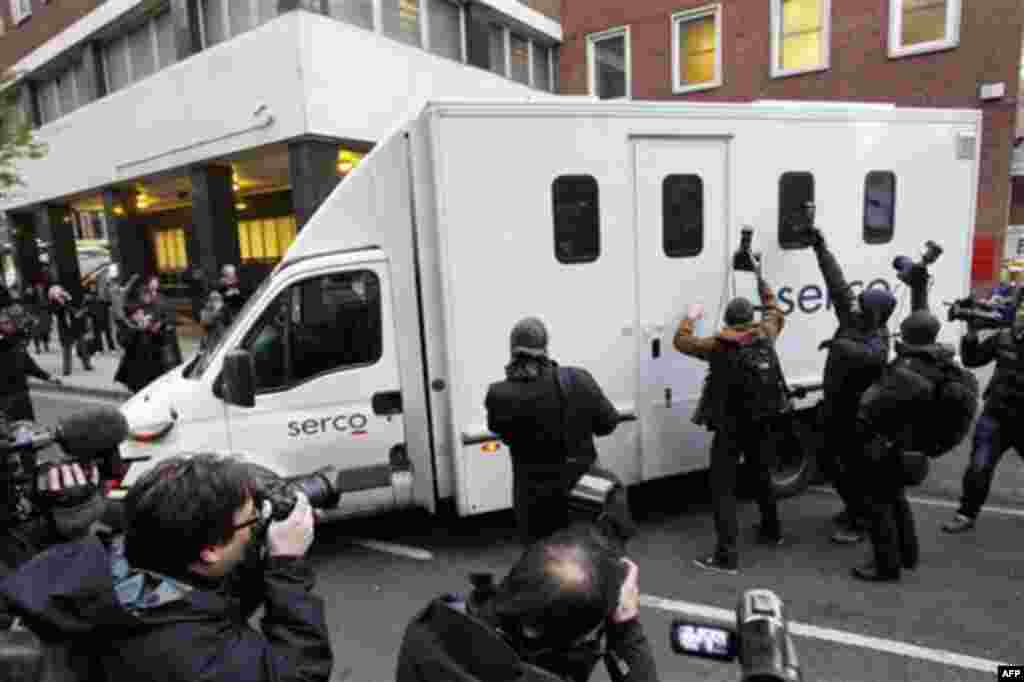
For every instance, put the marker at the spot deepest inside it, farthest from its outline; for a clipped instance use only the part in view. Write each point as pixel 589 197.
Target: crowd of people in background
pixel 110 316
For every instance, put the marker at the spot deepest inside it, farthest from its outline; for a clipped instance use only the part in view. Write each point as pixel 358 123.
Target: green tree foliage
pixel 16 139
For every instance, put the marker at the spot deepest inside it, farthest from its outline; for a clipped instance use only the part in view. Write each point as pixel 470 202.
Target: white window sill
pixel 922 48
pixel 799 72
pixel 678 89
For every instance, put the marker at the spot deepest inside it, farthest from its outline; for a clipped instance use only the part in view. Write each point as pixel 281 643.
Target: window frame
pixel 21 10
pixel 592 40
pixel 555 224
pixel 425 29
pixel 683 17
pixel 825 10
pixel 869 234
pixel 895 46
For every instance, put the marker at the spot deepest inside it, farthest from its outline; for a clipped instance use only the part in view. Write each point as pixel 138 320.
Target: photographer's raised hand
pixel 629 595
pixel 294 535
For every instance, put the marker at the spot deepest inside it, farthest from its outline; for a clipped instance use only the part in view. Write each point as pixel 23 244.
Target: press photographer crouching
pixel 171 598
pixel 570 602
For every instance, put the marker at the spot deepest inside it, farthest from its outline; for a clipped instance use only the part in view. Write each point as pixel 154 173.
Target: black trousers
pixel 890 520
pixel 993 436
pixel 101 323
pixel 81 349
pixel 755 442
pixel 840 460
pixel 540 503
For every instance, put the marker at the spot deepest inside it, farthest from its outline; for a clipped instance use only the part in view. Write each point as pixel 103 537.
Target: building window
pixel 496 47
pixel 682 215
pixel 119 73
pixel 214 22
pixel 918 26
pixel 67 92
pixel 265 240
pixel 541 67
pixel 879 207
pixel 356 12
pixel 401 20
pixel 519 59
pixel 796 189
pixel 608 63
pixel 577 219
pixel 800 36
pixel 48 96
pixel 170 250
pixel 697 49
pixel 20 10
pixel 446 29
pixel 141 52
pixel 166 51
pixel 556 75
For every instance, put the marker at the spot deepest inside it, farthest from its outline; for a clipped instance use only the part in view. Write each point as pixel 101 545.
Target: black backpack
pixel 756 386
pixel 956 404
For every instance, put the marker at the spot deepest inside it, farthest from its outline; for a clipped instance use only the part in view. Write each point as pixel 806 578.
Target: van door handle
pixel 656 348
pixel 387 403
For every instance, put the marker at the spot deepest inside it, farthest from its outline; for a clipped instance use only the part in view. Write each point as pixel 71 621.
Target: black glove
pixel 815 238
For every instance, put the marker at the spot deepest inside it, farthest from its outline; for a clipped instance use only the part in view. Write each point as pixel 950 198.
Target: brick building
pixel 928 53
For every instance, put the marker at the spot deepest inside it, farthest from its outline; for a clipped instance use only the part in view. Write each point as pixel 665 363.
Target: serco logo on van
pixel 812 298
pixel 353 423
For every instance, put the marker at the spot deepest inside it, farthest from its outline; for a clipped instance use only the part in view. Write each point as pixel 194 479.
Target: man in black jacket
pixel 999 427
pixel 568 603
pixel 170 601
pixel 548 417
pixel 857 353
pixel 16 365
pixel 71 328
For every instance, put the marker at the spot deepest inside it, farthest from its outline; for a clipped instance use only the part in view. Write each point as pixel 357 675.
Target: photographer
pixel 742 397
pixel 998 429
pixel 857 353
pixel 548 415
pixel 568 603
pixel 170 600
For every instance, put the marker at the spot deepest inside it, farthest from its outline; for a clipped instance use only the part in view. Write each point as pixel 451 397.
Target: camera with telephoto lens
pixel 760 641
pixel 745 260
pixel 907 270
pixel 322 487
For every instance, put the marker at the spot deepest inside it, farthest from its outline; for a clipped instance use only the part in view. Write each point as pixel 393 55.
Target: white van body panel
pixel 457 204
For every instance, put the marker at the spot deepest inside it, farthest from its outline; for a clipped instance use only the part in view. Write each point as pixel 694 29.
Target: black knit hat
pixel 529 337
pixel 921 328
pixel 739 311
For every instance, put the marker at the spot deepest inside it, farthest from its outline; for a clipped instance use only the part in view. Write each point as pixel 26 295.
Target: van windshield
pixel 195 369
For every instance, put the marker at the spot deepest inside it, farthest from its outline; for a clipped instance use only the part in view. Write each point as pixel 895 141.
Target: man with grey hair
pixel 548 416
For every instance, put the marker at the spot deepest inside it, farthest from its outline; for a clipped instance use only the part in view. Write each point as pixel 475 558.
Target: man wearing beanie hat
pixel 548 416
pixel 740 422
pixel 857 354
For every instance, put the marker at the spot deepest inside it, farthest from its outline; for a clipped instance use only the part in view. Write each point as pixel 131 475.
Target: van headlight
pixel 153 431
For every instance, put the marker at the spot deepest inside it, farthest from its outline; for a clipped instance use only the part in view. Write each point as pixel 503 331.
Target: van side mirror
pixel 239 379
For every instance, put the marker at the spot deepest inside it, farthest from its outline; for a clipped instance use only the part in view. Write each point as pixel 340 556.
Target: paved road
pixel 962 611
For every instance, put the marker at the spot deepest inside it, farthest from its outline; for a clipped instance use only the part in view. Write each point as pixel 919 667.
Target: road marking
pixel 888 646
pixel 396 549
pixel 947 504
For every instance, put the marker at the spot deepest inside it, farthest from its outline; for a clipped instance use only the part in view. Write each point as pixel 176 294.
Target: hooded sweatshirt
pixel 135 624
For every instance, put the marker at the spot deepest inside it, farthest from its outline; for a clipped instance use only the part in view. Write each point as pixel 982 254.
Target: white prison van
pixel 376 337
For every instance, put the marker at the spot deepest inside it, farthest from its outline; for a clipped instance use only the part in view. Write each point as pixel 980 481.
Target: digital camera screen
pixel 705 641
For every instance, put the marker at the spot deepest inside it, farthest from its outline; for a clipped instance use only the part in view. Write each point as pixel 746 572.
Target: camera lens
pixel 320 487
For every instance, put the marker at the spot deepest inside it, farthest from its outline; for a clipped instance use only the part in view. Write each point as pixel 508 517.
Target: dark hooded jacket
pixel 1004 395
pixel 446 643
pixel 903 404
pixel 859 350
pixel 127 624
pixel 16 365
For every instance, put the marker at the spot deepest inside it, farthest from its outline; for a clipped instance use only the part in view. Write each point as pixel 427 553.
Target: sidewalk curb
pixel 41 388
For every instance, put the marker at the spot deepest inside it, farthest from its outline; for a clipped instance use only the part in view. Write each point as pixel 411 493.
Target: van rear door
pixel 682 231
pixel 327 382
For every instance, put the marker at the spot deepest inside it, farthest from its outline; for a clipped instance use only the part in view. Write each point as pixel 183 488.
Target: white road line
pixel 396 549
pixel 889 646
pixel 947 504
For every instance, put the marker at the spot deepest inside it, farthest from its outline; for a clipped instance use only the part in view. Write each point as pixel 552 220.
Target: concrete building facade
pixel 927 53
pixel 198 133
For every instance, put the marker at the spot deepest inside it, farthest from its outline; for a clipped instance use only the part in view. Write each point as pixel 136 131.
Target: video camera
pixel 979 315
pixel 745 260
pixel 761 640
pixel 88 437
